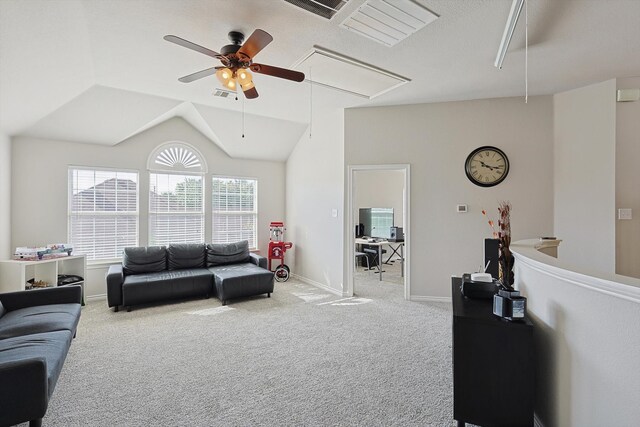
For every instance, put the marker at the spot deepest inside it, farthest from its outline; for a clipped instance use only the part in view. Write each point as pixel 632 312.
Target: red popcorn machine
pixel 277 248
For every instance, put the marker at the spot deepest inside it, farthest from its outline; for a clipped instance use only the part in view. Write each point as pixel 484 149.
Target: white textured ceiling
pixel 66 60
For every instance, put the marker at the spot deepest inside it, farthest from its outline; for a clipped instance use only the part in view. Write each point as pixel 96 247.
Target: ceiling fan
pixel 237 60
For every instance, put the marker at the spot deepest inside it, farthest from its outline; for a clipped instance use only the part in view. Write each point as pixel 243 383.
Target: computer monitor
pixel 377 222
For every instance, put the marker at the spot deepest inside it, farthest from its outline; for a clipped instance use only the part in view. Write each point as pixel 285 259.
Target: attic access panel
pixel 346 74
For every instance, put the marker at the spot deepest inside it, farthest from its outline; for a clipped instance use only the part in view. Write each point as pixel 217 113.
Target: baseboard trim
pixel 319 285
pixel 419 298
pixel 95 297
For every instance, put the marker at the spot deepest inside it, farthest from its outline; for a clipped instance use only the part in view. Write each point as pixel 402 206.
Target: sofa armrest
pixel 24 391
pixel 115 279
pixel 258 260
pixel 56 295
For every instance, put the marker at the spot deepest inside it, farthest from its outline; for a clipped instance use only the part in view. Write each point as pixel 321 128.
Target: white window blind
pixel 235 210
pixel 176 209
pixel 103 212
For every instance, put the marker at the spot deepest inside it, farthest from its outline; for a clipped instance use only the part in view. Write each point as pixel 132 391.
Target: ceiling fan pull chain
pixel 243 116
pixel 526 51
pixel 310 103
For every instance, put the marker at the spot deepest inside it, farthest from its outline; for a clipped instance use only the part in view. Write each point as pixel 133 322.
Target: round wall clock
pixel 486 166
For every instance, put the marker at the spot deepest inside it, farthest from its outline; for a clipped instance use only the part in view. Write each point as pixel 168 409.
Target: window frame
pixel 150 212
pixel 70 213
pixel 255 204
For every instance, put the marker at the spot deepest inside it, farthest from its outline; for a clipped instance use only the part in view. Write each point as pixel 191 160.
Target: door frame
pixel 350 233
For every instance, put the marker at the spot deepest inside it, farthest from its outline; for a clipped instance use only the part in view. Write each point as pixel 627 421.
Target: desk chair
pixel 362 254
pixel 374 254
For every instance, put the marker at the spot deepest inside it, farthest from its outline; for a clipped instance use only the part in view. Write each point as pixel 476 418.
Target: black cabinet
pixel 493 365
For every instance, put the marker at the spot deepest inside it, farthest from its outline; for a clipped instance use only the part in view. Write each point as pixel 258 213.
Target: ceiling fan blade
pixel 199 75
pixel 186 43
pixel 282 73
pixel 255 43
pixel 251 93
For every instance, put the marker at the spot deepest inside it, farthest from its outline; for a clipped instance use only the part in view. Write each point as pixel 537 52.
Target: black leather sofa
pixel 36 329
pixel 159 273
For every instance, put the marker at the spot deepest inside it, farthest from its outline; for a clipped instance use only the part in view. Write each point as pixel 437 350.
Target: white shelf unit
pixel 14 274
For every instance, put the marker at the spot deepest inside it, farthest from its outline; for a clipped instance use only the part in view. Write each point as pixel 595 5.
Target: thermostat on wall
pixel 461 208
pixel 625 214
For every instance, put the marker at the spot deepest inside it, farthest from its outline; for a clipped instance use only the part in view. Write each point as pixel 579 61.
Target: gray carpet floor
pixel 303 357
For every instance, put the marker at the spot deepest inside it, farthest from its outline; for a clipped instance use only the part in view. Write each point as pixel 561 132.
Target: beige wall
pixel 379 189
pixel 436 139
pixel 628 181
pixel 5 197
pixel 584 185
pixel 39 184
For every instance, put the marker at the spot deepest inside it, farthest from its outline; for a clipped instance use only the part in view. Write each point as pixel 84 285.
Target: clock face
pixel 487 166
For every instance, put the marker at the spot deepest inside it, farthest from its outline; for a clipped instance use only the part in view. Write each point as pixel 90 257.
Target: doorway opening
pixel 378 228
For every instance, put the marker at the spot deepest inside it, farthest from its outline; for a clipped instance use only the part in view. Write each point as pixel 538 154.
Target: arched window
pixel 176 156
pixel 176 194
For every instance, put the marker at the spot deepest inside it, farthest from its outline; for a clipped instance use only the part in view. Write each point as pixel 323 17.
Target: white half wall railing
pixel 587 340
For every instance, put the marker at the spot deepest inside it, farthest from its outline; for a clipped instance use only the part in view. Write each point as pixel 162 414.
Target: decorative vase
pixel 506 270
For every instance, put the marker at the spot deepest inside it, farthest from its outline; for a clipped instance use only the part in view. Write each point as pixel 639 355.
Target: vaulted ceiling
pixel 99 71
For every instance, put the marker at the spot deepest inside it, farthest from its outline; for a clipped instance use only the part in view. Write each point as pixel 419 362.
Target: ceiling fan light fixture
pixel 224 75
pixel 244 76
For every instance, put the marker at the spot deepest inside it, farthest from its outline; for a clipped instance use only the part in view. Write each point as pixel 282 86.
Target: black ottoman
pixel 241 280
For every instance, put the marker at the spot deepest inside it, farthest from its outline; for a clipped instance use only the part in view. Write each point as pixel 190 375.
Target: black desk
pixel 493 365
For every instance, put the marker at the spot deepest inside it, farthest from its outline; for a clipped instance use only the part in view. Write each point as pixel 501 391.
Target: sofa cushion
pixel 187 255
pixel 240 280
pixel 39 319
pixel 52 346
pixel 149 287
pixel 227 253
pixel 148 259
pixel 2 310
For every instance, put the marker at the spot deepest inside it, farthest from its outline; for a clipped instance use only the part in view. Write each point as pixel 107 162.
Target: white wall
pixel 436 139
pixel 39 184
pixel 315 183
pixel 586 343
pixel 584 187
pixel 380 189
pixel 58 32
pixel 628 181
pixel 5 197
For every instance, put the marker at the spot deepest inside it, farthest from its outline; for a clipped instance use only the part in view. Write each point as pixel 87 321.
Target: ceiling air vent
pixel 222 93
pixel 324 8
pixel 389 21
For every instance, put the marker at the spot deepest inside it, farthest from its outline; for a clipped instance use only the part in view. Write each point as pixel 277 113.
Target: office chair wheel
pixel 282 273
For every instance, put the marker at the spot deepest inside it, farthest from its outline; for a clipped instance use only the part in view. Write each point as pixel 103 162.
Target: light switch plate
pixel 334 213
pixel 624 214
pixel 628 95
